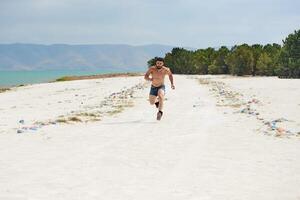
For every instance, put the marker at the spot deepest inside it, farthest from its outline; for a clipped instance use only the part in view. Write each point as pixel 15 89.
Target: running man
pixel 157 91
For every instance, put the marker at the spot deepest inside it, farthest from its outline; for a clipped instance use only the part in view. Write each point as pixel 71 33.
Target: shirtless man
pixel 157 91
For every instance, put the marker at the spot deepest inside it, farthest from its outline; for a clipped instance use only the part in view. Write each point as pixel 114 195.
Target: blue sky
pixel 190 23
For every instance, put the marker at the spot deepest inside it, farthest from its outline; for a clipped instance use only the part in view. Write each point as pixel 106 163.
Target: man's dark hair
pixel 159 59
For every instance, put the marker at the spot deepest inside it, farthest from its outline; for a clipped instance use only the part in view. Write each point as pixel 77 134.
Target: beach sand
pixel 221 137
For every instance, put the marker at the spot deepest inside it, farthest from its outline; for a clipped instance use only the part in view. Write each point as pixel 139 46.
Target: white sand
pixel 280 97
pixel 195 152
pixel 41 102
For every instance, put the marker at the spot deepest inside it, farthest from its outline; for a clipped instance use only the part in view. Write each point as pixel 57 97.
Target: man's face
pixel 159 64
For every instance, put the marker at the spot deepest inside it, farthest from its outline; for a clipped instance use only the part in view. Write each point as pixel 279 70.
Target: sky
pixel 182 23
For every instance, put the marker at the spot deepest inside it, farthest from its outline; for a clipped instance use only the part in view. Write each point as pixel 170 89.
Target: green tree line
pixel 264 60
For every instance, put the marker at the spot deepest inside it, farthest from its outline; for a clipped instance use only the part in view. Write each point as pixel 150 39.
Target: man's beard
pixel 158 67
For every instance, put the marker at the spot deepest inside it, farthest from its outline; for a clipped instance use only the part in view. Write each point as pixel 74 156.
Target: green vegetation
pixel 289 57
pixel 264 60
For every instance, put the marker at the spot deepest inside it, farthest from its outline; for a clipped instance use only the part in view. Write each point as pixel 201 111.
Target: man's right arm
pixel 148 74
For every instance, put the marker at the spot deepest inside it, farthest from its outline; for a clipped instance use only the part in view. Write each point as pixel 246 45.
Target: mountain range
pixel 21 56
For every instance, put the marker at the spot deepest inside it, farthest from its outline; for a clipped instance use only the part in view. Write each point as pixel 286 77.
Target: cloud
pixel 178 22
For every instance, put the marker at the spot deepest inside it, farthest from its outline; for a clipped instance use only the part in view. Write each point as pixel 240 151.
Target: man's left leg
pixel 161 95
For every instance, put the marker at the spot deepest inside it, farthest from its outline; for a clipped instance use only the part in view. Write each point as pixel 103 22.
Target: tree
pixel 214 69
pixel 289 58
pixel 180 61
pixel 240 60
pixel 267 60
pixel 151 62
pixel 202 59
pixel 264 65
pixel 220 57
pixel 257 50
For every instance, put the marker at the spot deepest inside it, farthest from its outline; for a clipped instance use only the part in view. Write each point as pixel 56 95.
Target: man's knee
pixel 161 94
pixel 151 100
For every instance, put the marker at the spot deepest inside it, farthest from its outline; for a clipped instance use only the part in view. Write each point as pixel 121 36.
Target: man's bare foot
pixel 159 115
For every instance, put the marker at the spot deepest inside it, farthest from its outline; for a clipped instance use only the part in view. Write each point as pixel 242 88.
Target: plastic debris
pixel 111 104
pixel 33 128
pixel 226 97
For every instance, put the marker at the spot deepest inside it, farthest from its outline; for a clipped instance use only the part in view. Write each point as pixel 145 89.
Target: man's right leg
pixel 161 94
pixel 152 99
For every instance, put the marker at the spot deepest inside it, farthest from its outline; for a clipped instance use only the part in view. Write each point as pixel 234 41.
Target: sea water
pixel 15 78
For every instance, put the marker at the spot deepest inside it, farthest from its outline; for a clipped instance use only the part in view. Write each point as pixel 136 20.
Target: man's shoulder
pixel 151 68
pixel 166 68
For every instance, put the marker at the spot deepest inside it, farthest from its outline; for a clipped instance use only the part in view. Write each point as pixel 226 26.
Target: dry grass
pixel 116 110
pixel 237 105
pixel 128 104
pixel 72 78
pixel 204 81
pixel 95 119
pixel 4 89
pixel 69 119
pixel 74 119
pixel 62 120
pixel 80 117
pixel 86 117
pixel 85 114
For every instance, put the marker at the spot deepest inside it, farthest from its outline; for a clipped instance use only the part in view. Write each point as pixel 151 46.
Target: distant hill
pixel 81 57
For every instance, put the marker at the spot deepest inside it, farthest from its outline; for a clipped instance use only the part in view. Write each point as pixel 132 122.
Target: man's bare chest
pixel 158 74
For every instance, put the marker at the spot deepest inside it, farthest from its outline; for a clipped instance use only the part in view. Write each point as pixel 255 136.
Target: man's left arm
pixel 171 78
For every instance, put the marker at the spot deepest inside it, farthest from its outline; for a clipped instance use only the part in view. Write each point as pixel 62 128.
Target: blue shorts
pixel 154 90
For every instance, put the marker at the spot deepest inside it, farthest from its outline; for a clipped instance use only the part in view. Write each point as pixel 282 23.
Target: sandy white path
pixel 193 153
